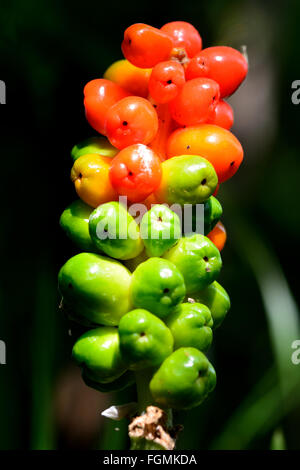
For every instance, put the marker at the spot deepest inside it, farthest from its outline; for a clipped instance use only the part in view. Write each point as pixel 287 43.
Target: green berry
pixel 158 286
pixel 115 232
pixel 95 289
pixel 99 145
pixel 216 299
pixel 145 340
pixel 75 222
pixel 198 259
pixel 191 326
pixel 160 230
pixel 98 353
pixel 183 380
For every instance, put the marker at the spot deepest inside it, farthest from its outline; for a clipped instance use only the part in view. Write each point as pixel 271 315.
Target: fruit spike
pixel 167 144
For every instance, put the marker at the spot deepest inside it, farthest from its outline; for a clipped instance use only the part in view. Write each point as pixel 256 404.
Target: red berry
pixel 145 46
pixel 135 172
pixel 99 96
pixel 225 65
pixel 222 116
pixel 195 102
pixel 184 36
pixel 132 120
pixel 166 79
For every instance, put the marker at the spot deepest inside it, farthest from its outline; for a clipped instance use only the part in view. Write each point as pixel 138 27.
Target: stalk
pixel 144 396
pixel 149 430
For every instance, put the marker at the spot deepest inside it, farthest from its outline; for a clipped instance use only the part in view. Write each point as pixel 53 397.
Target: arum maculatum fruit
pixel 198 259
pixel 191 325
pixel 115 232
pixel 183 380
pixel 75 222
pixel 145 339
pixel 158 285
pixel 95 289
pixel 144 287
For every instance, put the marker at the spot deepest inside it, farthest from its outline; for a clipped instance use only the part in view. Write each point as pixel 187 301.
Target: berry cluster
pixel 148 282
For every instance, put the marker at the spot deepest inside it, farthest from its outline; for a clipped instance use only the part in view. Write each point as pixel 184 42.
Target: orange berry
pixel 218 236
pixel 90 175
pixel 131 78
pixel 214 143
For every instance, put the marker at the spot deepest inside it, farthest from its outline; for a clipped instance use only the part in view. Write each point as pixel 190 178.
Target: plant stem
pixel 144 396
pixel 158 427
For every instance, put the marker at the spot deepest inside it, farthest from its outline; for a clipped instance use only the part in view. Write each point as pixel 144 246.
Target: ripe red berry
pixel 195 102
pixel 99 96
pixel 225 65
pixel 222 116
pixel 135 172
pixel 184 36
pixel 166 79
pixel 132 120
pixel 145 46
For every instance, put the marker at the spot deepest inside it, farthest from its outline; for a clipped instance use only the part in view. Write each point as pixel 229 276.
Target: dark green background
pixel 48 51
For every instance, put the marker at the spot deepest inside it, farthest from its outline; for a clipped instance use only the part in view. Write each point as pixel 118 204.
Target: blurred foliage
pixel 49 50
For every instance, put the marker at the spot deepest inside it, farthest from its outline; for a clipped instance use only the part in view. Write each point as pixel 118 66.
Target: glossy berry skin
pixel 99 96
pixel 166 79
pixel 135 172
pixel 188 179
pixel 131 78
pixel 115 232
pixel 191 326
pixel 212 213
pixel 90 175
pixel 225 65
pixel 218 236
pixel 183 380
pixel 160 229
pixel 98 352
pixel 75 222
pixel 158 286
pixel 99 145
pixel 145 46
pixel 216 299
pixel 145 340
pixel 184 36
pixel 95 289
pixel 198 260
pixel 219 146
pixel 222 115
pixel 132 120
pixel 196 102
